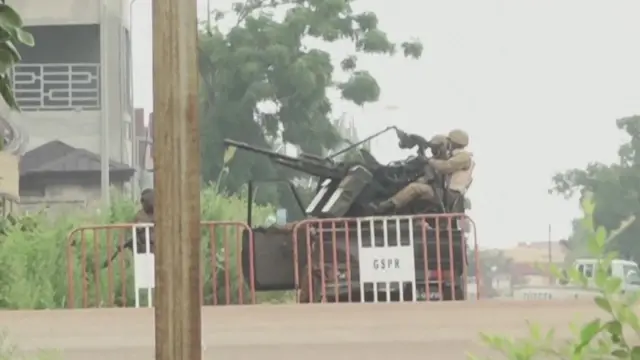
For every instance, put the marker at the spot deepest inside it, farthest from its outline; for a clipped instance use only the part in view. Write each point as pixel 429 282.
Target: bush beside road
pixel 33 255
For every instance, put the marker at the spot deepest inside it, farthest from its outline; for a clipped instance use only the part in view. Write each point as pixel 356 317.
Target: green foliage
pixel 11 33
pixel 615 188
pixel 33 264
pixel 267 80
pixel 597 339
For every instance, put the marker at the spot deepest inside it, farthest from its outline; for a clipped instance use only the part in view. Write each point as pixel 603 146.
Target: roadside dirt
pixel 373 331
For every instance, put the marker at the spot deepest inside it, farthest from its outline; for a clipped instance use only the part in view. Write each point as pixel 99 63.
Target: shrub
pixel 33 264
pixel 598 339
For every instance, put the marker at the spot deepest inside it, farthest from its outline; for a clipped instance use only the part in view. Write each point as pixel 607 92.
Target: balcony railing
pixel 62 87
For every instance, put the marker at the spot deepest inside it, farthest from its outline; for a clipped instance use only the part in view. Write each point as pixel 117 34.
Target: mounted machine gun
pixel 345 190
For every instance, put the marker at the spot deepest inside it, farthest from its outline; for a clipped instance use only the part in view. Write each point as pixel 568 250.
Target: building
pixel 71 85
pixel 530 261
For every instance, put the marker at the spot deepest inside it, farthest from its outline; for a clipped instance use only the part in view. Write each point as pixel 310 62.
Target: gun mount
pixel 346 189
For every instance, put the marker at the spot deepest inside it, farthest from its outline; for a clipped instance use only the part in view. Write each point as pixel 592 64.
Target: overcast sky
pixel 537 84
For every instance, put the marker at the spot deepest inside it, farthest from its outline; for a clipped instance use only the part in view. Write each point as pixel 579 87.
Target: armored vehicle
pixel 320 256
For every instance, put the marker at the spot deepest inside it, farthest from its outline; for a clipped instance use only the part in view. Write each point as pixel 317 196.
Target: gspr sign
pixel 382 257
pixel 387 264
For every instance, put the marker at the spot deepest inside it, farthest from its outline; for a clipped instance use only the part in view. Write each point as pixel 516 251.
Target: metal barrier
pixel 383 259
pixel 102 273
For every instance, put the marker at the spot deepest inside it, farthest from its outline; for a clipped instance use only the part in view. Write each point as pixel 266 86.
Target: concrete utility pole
pixel 177 180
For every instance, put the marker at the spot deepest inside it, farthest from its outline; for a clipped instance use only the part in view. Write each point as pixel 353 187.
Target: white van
pixel 626 270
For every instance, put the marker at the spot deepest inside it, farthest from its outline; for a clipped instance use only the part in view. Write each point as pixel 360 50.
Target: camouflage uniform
pixel 145 215
pixel 459 167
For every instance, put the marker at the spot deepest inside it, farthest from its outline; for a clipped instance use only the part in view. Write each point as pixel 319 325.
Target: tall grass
pixel 33 264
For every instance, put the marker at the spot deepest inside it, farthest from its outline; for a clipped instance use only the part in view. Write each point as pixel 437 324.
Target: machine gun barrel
pixel 311 165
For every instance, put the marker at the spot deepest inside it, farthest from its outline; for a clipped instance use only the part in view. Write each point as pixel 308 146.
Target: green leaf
pixel 612 285
pixel 228 154
pixel 603 303
pixel 601 277
pixel 9 18
pixel 6 92
pixel 577 277
pixel 9 46
pixel 635 353
pixel 593 248
pixel 614 328
pixel 587 334
pixel 620 353
pixel 632 320
pixel 556 271
pixel 487 339
pixel 535 331
pixel 25 37
pixel 6 60
pixel 4 36
pixel 550 335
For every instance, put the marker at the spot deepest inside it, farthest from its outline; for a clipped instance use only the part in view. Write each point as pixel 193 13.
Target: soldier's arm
pixel 140 217
pixel 455 163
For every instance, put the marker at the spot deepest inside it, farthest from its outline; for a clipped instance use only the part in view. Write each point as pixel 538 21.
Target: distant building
pixel 58 175
pixel 531 260
pixel 65 85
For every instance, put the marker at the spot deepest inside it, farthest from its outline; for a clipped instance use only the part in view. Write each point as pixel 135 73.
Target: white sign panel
pixel 144 274
pixel 387 264
pixel 382 260
pixel 144 271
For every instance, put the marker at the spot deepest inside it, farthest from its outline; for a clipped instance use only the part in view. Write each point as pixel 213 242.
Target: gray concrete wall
pixel 61 197
pixel 82 128
pixel 78 129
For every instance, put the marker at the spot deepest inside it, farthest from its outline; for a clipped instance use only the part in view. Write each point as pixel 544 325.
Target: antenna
pixel 208 16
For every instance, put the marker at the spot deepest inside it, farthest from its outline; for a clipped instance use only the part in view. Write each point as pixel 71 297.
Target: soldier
pixel 439 146
pixel 145 214
pixel 459 168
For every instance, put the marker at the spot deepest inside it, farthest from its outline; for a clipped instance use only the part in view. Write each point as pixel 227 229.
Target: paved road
pixel 370 331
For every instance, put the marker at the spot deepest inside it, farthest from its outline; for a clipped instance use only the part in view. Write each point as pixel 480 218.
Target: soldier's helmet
pixel 438 140
pixel 147 196
pixel 459 137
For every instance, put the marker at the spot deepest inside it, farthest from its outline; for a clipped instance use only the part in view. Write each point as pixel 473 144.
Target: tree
pixel 11 33
pixel 615 188
pixel 492 262
pixel 265 81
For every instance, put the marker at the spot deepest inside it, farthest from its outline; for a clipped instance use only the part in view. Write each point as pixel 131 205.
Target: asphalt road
pixel 329 331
